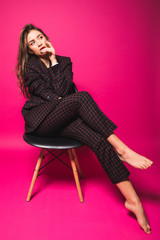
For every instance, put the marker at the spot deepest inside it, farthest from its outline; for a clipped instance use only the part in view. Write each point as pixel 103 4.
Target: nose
pixel 39 43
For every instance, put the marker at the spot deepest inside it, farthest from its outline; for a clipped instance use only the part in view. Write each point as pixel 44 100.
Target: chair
pixel 51 144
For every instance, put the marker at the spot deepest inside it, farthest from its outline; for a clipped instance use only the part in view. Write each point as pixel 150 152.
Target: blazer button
pixel 48 97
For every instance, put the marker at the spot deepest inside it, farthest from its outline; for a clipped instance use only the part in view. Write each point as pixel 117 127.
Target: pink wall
pixel 114 48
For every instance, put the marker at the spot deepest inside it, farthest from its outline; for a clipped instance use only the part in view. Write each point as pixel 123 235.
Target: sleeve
pixel 62 76
pixel 37 86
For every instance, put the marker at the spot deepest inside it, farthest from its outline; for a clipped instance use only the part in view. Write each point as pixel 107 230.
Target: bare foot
pixel 138 210
pixel 134 159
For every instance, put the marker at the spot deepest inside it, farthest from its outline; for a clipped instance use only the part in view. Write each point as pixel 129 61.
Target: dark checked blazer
pixel 45 86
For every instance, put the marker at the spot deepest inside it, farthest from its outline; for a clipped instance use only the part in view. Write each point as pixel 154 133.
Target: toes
pixel 148 226
pixel 149 162
pixel 144 166
pixel 147 229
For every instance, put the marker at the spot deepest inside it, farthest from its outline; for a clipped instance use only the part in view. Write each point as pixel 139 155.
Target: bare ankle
pixel 121 150
pixel 118 145
pixel 134 201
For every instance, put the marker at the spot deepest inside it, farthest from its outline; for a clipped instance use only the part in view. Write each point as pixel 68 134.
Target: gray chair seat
pixel 51 143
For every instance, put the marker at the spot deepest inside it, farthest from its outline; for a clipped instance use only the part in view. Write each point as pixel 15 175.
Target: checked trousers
pixel 78 116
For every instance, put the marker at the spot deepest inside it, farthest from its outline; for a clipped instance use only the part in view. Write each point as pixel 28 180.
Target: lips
pixel 41 48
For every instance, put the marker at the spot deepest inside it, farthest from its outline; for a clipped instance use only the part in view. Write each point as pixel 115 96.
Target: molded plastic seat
pixel 51 143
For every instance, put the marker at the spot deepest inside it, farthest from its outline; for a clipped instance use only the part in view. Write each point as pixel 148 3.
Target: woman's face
pixel 36 42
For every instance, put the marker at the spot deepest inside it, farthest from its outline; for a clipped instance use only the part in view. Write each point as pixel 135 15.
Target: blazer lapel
pixel 43 70
pixel 40 67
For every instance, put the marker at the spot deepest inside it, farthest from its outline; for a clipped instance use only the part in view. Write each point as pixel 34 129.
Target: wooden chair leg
pixel 38 165
pixel 75 173
pixel 77 163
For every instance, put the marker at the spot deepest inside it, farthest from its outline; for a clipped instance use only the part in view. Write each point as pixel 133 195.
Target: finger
pixel 46 50
pixel 48 43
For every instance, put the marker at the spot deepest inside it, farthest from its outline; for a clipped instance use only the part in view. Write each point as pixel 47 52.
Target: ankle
pixel 134 201
pixel 121 150
pixel 118 145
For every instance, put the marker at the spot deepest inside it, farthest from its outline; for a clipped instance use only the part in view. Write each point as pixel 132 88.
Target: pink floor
pixel 55 211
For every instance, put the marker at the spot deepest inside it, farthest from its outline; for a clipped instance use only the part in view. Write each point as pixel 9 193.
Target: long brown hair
pixel 24 56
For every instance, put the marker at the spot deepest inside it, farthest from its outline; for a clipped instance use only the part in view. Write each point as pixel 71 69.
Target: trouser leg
pixel 112 165
pixel 92 115
pixel 82 105
pixel 78 116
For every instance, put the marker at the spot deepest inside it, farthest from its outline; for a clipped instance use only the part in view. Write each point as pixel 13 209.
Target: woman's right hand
pixel 51 52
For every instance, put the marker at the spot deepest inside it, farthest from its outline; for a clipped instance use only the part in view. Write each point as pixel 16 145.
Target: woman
pixel 53 108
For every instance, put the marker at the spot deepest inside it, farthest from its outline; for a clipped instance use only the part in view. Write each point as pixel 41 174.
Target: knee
pixel 85 95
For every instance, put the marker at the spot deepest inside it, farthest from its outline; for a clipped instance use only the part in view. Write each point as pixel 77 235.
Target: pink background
pixel 115 50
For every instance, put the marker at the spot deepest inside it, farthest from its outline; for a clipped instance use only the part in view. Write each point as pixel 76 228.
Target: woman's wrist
pixel 53 61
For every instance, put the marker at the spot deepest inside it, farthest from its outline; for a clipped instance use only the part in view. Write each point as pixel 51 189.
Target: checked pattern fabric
pixel 79 117
pixel 74 115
